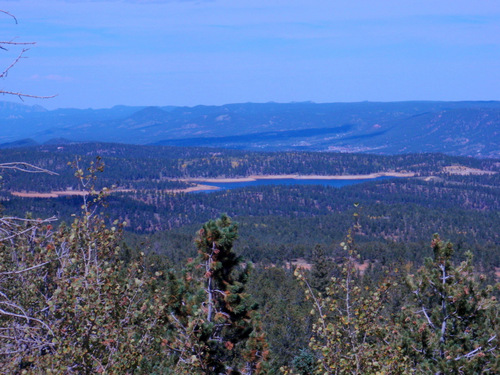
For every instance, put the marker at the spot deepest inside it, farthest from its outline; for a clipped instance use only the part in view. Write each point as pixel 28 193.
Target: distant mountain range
pixel 456 128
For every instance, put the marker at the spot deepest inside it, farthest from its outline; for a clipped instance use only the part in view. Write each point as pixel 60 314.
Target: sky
pixel 101 53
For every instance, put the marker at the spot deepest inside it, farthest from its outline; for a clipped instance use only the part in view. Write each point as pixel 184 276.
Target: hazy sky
pixel 100 53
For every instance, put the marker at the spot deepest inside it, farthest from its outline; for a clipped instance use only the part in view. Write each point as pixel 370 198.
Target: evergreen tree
pixel 218 321
pixel 452 326
pixel 321 270
pixel 304 363
pixel 285 313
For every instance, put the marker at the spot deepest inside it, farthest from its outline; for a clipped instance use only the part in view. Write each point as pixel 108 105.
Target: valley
pixel 150 190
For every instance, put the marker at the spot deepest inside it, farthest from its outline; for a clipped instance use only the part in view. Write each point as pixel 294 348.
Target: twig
pixel 21 95
pixel 24 316
pixel 16 60
pixel 23 166
pixel 24 270
pixel 7 13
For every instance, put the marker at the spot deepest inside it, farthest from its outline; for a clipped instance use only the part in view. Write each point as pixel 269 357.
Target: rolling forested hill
pixel 456 196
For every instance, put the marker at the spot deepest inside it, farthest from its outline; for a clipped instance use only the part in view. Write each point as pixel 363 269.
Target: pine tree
pixel 218 321
pixel 453 323
pixel 322 268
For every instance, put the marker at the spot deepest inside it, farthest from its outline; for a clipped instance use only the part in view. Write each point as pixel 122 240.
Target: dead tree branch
pixel 14 62
pixel 26 167
pixel 9 14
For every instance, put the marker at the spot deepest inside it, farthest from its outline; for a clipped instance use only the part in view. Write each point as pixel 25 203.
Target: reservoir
pixel 338 183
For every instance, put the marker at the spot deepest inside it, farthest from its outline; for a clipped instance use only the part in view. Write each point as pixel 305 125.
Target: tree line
pixel 161 167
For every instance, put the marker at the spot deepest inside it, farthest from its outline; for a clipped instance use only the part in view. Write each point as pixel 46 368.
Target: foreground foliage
pixel 354 333
pixel 70 304
pixel 452 324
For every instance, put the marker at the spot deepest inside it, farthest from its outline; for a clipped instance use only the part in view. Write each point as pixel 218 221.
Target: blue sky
pixel 100 53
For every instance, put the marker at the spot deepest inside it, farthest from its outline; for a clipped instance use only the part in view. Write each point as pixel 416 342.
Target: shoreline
pixel 301 177
pixel 68 193
pixel 52 194
pixel 200 186
pixel 190 189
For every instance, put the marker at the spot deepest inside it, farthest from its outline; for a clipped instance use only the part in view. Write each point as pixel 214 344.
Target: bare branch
pixel 315 300
pixel 428 318
pixel 10 219
pixel 24 270
pixel 23 316
pixel 15 231
pixel 23 166
pixel 14 62
pixel 10 15
pixel 12 43
pixel 21 95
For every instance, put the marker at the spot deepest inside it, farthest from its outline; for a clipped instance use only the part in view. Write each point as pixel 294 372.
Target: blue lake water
pixel 286 181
